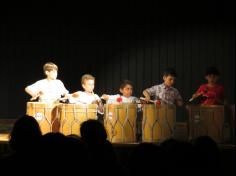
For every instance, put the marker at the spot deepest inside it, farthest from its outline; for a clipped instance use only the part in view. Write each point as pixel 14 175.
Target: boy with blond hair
pixel 50 89
pixel 87 96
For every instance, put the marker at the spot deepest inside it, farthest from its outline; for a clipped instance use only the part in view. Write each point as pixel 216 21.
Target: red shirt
pixel 212 95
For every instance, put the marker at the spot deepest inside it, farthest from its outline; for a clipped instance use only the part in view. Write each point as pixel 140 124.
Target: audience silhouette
pixel 93 153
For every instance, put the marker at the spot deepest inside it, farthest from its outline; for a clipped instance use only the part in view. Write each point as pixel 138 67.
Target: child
pixel 165 92
pixel 211 93
pixel 87 96
pixel 50 89
pixel 126 89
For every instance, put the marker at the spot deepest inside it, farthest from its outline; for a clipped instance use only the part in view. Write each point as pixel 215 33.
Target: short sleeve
pixel 178 96
pixel 112 98
pixel 63 89
pixel 97 97
pixel 200 89
pixel 152 90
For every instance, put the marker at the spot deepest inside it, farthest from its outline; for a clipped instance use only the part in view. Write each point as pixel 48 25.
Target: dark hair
pixel 124 83
pixel 25 133
pixel 212 71
pixel 170 72
pixel 93 131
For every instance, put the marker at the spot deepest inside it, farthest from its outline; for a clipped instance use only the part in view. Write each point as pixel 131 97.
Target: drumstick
pixel 34 98
pixel 141 98
pixel 191 99
pixel 64 98
pixel 102 97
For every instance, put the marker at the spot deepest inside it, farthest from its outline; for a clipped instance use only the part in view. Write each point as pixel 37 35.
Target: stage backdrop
pixel 135 44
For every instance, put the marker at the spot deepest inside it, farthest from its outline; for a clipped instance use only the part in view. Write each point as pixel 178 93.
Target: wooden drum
pixel 120 122
pixel 46 114
pixel 158 122
pixel 232 123
pixel 72 116
pixel 206 121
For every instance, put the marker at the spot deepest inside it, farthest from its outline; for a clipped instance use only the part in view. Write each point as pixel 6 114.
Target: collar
pixel 165 87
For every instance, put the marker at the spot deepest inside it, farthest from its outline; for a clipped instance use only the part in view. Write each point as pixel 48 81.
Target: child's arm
pixel 105 97
pixel 30 92
pixel 179 99
pixel 34 95
pixel 146 95
pixel 72 97
pixel 197 94
pixel 179 103
pixel 64 91
pixel 201 91
pixel 98 101
pixel 221 98
pixel 110 99
pixel 75 94
pixel 154 90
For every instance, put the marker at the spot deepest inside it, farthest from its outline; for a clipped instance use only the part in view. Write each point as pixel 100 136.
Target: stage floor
pixel 4 137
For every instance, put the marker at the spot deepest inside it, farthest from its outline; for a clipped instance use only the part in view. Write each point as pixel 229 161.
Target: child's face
pixel 212 79
pixel 127 90
pixel 169 80
pixel 51 75
pixel 88 85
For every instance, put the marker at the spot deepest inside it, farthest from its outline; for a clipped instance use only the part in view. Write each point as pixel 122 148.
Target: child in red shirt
pixel 211 93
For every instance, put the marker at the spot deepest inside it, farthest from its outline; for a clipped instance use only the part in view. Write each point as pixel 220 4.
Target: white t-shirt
pixel 84 98
pixel 113 99
pixel 52 90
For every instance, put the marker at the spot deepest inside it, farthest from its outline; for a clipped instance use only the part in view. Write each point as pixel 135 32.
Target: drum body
pixel 120 122
pixel 158 122
pixel 73 115
pixel 232 123
pixel 206 121
pixel 46 115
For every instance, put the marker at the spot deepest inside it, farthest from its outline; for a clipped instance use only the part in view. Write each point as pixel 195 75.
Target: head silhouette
pixel 92 131
pixel 145 158
pixel 207 150
pixel 25 133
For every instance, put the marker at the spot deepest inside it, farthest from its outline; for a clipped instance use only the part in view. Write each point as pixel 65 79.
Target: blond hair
pixel 49 66
pixel 86 77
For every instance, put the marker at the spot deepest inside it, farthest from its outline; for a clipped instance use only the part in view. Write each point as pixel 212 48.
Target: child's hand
pixel 95 102
pixel 205 95
pixel 105 97
pixel 100 105
pixel 143 101
pixel 147 99
pixel 197 95
pixel 75 95
pixel 34 97
pixel 67 96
